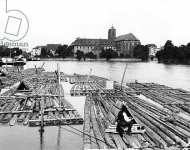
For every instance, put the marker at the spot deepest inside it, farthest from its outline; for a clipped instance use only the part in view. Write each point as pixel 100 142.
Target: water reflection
pixel 59 138
pixel 41 139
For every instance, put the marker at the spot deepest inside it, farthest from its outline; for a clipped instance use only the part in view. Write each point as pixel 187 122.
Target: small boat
pixel 20 60
pixel 7 61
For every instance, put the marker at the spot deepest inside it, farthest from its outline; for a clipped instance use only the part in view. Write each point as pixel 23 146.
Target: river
pixel 22 138
pixel 176 76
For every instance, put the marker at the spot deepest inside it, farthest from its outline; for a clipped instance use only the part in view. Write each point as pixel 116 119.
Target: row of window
pixel 92 47
pixel 126 44
pixel 84 47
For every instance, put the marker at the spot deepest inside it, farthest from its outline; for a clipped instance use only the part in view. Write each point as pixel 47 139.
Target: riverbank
pixel 88 59
pixel 175 62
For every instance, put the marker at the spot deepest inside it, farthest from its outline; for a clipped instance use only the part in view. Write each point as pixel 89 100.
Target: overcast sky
pixel 61 21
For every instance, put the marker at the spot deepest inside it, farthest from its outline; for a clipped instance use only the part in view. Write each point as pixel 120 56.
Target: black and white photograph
pixel 95 75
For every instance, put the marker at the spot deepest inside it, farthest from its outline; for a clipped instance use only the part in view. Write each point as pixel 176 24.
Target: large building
pixel 93 45
pixel 123 44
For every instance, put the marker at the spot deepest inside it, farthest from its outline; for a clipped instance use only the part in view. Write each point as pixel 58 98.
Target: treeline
pixel 81 55
pixel 174 54
pixel 10 52
pixel 108 54
pixel 62 51
pixel 142 52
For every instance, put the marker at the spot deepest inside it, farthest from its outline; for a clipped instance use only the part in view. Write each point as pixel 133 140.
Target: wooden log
pixel 96 130
pixel 86 128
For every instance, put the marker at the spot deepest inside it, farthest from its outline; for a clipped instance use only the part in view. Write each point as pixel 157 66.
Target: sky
pixel 62 21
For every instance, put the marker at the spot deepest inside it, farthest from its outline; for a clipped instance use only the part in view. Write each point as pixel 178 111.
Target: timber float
pixel 34 97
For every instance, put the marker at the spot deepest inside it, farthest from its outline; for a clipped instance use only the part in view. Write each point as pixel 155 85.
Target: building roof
pixel 37 47
pixel 127 37
pixel 92 42
pixel 53 45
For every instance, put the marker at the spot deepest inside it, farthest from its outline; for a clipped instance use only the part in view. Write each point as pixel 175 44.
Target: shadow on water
pixel 41 140
pixel 59 138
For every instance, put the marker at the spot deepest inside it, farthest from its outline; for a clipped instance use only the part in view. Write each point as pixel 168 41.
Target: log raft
pixel 165 129
pixel 22 103
pixel 161 114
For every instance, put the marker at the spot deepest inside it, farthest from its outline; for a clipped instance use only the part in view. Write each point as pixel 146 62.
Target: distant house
pixel 36 51
pixel 153 50
pixel 123 44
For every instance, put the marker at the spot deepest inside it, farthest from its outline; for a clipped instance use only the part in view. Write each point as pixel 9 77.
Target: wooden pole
pixel 41 140
pixel 123 76
pixel 59 138
pixel 59 128
pixel 89 74
pixel 41 130
pixel 59 80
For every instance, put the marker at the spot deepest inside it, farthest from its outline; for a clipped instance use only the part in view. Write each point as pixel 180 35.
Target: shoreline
pixel 88 59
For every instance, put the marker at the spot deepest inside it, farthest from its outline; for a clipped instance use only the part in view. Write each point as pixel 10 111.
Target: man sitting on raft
pixel 124 119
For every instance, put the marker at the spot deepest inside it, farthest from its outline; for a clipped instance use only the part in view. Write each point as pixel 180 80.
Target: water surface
pixel 25 138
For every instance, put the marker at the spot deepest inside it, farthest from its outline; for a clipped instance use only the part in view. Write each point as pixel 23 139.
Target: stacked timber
pixel 176 100
pixel 18 105
pixel 165 129
pixel 87 84
pixel 101 113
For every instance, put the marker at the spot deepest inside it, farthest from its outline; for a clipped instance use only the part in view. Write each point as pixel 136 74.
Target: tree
pixel 108 53
pixel 15 52
pixel 7 52
pixel 168 44
pixel 80 55
pixel 44 52
pixel 70 52
pixel 121 55
pixel 91 55
pixel 173 54
pixel 142 52
pixel 65 51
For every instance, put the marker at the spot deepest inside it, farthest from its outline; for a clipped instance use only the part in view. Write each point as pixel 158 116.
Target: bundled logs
pixel 165 129
pixel 22 104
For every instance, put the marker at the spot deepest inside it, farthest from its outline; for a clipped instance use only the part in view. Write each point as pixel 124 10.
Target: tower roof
pixel 112 27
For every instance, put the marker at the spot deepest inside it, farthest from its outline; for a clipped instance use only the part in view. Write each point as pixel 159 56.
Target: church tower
pixel 111 33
